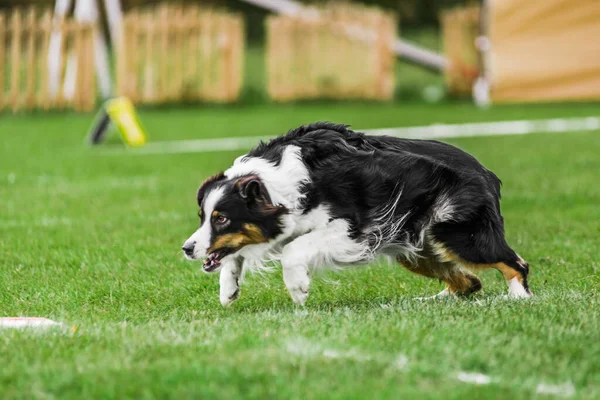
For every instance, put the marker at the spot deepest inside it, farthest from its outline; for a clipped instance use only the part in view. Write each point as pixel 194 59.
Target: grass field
pixel 91 239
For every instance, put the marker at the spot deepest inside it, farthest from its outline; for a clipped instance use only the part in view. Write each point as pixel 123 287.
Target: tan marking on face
pixel 250 234
pixel 254 233
pixel 215 213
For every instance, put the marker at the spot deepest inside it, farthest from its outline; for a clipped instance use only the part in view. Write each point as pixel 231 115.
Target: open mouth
pixel 213 261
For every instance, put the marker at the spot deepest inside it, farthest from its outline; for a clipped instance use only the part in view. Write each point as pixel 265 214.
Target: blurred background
pixel 280 50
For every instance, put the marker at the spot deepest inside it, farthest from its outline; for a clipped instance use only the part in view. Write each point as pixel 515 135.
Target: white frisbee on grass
pixel 27 322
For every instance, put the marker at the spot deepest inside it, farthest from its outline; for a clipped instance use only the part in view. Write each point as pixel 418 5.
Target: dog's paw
pixel 297 282
pixel 229 291
pixel 516 290
pixel 226 299
pixel 299 295
pixel 446 293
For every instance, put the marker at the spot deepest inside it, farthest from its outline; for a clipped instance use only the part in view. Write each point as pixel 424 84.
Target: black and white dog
pixel 323 195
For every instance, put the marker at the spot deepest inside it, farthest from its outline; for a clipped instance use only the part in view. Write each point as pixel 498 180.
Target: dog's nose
pixel 188 248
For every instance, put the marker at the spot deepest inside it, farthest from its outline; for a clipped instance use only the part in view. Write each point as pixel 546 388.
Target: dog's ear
pixel 252 189
pixel 202 188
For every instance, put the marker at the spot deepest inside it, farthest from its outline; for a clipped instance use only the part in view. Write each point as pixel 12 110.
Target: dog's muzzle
pixel 188 249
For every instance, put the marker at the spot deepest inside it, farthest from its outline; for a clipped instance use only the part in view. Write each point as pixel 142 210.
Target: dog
pixel 323 195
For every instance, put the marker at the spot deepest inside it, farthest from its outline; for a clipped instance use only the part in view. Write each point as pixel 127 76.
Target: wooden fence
pixel 25 76
pixel 176 53
pixel 460 29
pixel 336 52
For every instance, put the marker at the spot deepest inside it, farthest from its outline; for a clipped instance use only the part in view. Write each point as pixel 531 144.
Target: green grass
pixel 92 240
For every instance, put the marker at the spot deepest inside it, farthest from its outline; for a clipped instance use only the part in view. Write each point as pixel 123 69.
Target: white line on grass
pixel 435 131
pixel 302 347
pixel 565 390
pixel 473 377
pixel 27 322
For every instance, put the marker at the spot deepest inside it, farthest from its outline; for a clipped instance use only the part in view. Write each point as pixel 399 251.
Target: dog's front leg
pixel 295 260
pixel 229 281
pixel 329 245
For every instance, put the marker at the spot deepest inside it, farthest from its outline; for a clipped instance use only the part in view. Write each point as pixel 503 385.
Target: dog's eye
pixel 220 219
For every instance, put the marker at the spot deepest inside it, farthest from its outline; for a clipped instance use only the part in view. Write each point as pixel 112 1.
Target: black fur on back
pixel 357 174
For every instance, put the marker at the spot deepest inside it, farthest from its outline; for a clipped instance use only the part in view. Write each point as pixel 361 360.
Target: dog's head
pixel 234 213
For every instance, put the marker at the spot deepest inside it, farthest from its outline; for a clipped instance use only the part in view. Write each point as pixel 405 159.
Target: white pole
pixel 114 14
pixel 61 9
pixel 483 85
pixel 418 55
pixel 87 11
pixel 402 48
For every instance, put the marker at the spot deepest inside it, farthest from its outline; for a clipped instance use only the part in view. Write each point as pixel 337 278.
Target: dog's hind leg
pixel 480 244
pixel 459 281
pixel 515 272
pixel 323 247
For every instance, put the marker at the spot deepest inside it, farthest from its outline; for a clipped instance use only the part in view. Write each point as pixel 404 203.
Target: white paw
pixel 299 295
pixel 516 290
pixel 297 283
pixel 229 296
pixel 444 293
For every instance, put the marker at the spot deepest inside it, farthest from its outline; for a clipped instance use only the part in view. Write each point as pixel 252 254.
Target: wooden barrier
pixel 175 53
pixel 460 29
pixel 339 51
pixel 24 73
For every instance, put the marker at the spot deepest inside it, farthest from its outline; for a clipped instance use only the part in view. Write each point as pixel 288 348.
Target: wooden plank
pixel 121 54
pixel 380 70
pixel 297 58
pixel 46 28
pixel 270 54
pixel 2 57
pixel 221 57
pixel 149 64
pixel 78 50
pixel 89 84
pixel 164 53
pixel 286 61
pixel 281 40
pixel 134 57
pixel 390 58
pixel 312 75
pixel 238 55
pixel 92 69
pixel 31 33
pixel 207 49
pixel 124 58
pixel 16 59
pixel 64 31
pixel 191 73
pixel 178 56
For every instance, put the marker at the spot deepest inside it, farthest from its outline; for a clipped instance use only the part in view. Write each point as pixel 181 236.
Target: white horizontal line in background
pixel 26 322
pixel 436 131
